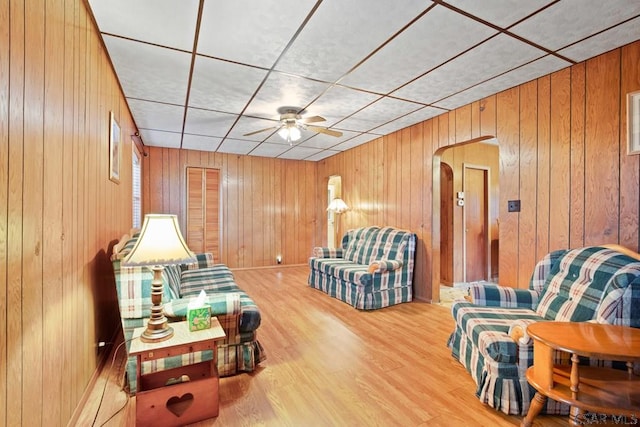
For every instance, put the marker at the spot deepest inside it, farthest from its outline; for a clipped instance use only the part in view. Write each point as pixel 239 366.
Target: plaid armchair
pixel 239 352
pixel 592 284
pixel 372 269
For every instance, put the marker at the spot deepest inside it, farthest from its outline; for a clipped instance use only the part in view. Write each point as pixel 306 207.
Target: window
pixel 137 187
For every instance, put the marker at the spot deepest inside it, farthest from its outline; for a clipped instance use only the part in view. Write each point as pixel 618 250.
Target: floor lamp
pixel 337 206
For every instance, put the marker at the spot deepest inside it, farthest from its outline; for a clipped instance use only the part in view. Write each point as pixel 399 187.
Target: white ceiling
pixel 199 74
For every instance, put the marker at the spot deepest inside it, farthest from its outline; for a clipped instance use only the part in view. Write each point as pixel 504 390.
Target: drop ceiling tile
pixel 571 20
pixel 338 102
pixel 251 124
pixel 299 153
pixel 322 155
pixel 199 142
pixel 496 56
pixel 223 86
pixel 163 22
pixel 377 114
pixel 604 42
pixel 209 123
pixel 502 13
pixel 448 34
pixel 156 138
pixel 409 120
pixel 354 142
pixel 237 146
pixel 282 90
pixel 269 150
pixel 154 115
pixel 258 38
pixel 321 140
pixel 342 33
pixel 528 72
pixel 150 72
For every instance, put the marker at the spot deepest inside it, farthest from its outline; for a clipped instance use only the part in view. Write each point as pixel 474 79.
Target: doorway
pixel 465 213
pixel 476 219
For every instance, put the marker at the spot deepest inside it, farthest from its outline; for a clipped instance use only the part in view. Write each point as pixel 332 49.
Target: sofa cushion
pixel 213 279
pixel 389 244
pixel 488 328
pixel 360 246
pixel 171 274
pixel 578 282
pixel 216 280
pixel 133 285
pixel 343 269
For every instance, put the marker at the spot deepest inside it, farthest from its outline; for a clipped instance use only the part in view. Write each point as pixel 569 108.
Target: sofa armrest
pixel 227 303
pixel 319 252
pixel 503 296
pixel 384 265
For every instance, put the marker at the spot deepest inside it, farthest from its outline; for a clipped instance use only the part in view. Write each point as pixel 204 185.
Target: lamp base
pixel 156 335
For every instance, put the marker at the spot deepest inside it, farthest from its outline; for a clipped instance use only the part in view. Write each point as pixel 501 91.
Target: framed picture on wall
pixel 114 149
pixel 633 122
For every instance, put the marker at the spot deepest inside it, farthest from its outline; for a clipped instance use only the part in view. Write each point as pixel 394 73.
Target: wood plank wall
pixel 562 153
pixel 268 206
pixel 58 209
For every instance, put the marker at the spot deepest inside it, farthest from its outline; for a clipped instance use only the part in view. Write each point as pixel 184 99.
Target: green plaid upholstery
pixel 587 284
pixel 577 283
pixel 502 296
pixel 204 260
pixel 328 252
pixel 238 315
pixel 373 269
pixel 218 279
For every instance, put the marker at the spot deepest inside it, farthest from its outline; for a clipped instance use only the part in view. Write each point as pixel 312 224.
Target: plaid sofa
pixel 238 315
pixel 372 269
pixel 592 284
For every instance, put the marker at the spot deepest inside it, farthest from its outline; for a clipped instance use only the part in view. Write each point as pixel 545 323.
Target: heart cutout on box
pixel 179 405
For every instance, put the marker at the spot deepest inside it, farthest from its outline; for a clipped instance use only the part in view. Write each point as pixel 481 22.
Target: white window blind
pixel 137 187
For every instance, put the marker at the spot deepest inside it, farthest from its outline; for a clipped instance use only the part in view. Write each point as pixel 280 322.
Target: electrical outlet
pixel 513 206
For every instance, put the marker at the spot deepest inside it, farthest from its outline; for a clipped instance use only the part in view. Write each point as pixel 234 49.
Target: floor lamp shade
pixel 160 243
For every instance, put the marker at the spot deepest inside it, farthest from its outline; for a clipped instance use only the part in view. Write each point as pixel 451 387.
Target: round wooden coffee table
pixel 603 391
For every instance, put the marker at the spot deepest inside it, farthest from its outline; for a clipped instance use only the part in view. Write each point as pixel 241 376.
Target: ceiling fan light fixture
pixel 290 132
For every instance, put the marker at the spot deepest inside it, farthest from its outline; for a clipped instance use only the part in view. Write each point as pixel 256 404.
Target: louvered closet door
pixel 203 211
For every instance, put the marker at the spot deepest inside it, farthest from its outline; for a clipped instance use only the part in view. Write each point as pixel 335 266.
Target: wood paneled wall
pixel 268 206
pixel 58 209
pixel 562 153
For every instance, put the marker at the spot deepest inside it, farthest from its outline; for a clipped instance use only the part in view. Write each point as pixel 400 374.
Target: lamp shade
pixel 338 206
pixel 160 243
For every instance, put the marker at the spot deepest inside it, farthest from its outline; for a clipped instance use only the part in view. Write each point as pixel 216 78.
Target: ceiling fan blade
pixel 261 130
pixel 313 119
pixel 324 130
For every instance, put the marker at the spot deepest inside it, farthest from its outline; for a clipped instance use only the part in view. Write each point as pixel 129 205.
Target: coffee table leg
pixel 538 402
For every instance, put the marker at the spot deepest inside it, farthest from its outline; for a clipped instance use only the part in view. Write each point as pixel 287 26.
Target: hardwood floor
pixel 329 364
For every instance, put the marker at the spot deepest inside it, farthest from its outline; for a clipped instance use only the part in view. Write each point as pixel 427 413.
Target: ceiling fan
pixel 292 123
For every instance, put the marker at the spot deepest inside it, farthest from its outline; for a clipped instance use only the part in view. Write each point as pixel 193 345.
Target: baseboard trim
pixel 267 267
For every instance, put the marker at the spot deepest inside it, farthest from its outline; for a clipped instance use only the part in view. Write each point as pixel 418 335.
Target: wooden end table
pixel 599 390
pixel 180 395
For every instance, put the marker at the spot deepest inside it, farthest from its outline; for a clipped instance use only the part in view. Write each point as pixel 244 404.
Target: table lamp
pixel 160 243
